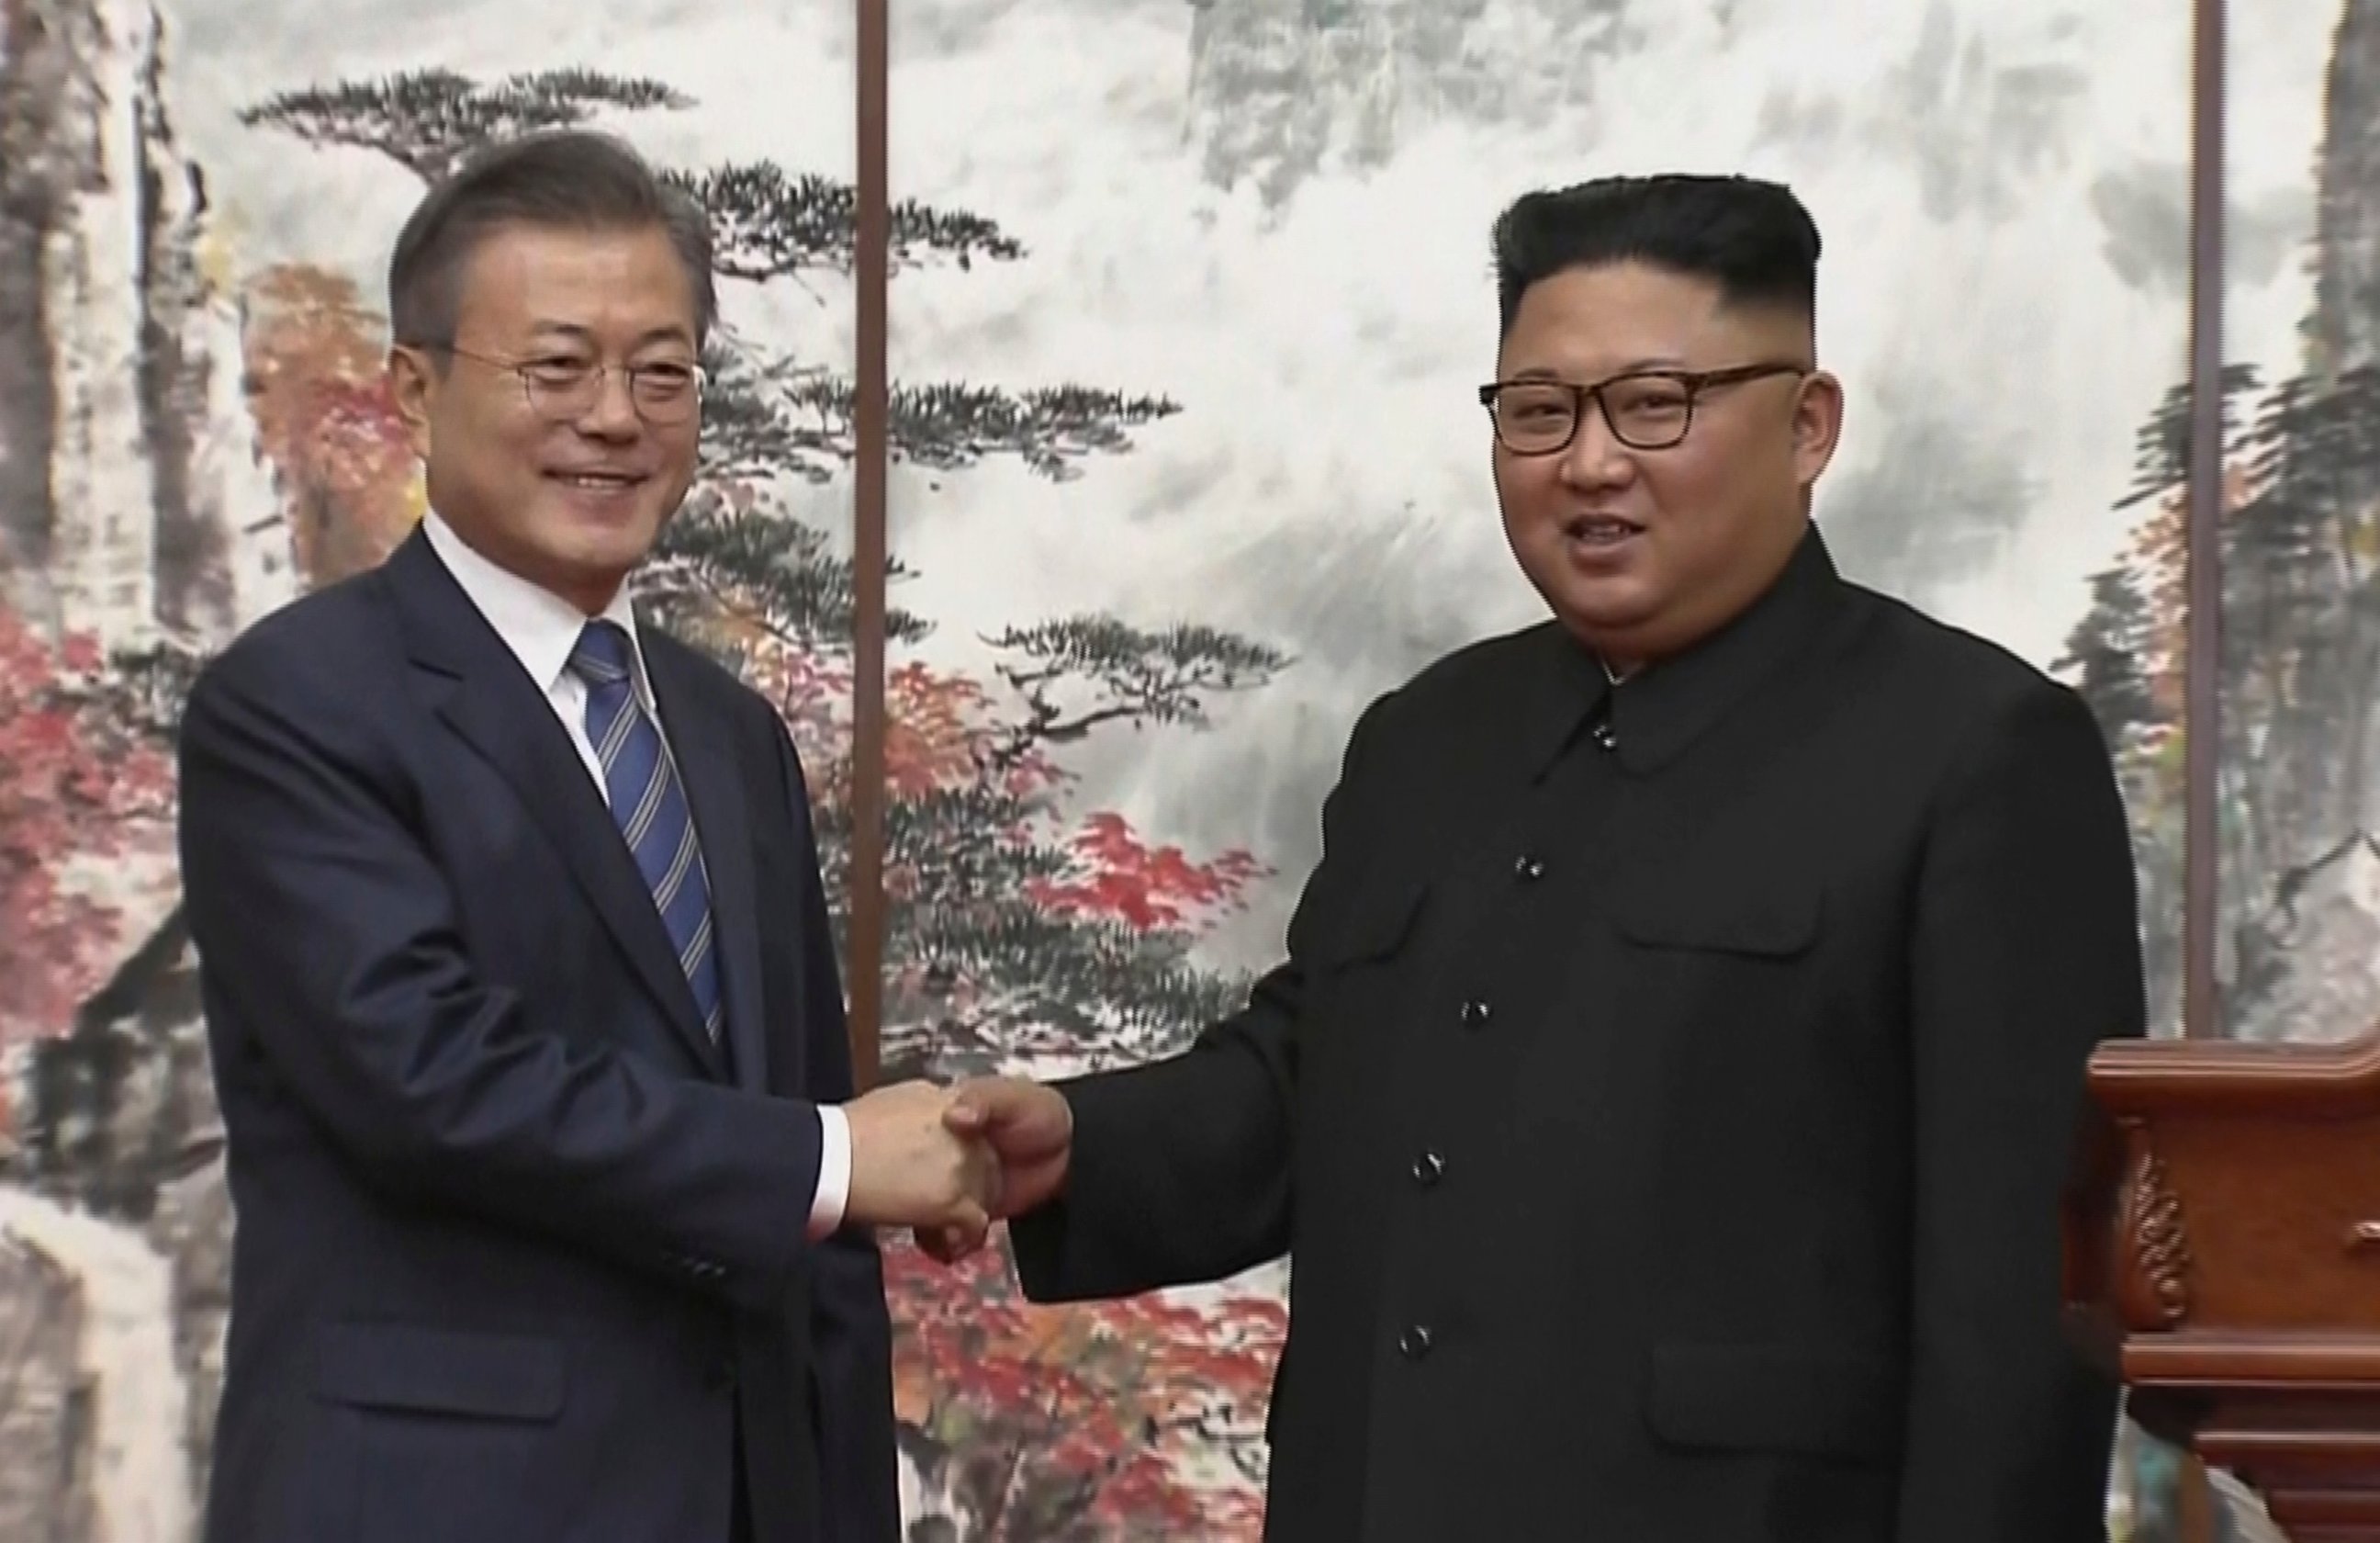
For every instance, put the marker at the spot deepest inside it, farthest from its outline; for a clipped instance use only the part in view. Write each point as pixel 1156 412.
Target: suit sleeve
pixel 2027 954
pixel 851 1332
pixel 328 930
pixel 1180 1168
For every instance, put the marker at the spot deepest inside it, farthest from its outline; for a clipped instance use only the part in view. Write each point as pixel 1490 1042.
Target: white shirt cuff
pixel 834 1171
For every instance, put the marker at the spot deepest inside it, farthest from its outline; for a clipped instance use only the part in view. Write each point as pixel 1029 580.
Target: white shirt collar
pixel 538 625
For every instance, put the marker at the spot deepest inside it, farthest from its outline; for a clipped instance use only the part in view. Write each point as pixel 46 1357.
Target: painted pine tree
pixel 2301 643
pixel 2299 791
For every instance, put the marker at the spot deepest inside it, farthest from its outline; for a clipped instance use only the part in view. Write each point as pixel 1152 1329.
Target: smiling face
pixel 1641 552
pixel 566 485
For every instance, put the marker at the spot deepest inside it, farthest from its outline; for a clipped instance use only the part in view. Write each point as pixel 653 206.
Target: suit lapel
pixel 707 767
pixel 499 712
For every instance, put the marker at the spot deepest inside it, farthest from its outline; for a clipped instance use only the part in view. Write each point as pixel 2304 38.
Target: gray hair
pixel 567 179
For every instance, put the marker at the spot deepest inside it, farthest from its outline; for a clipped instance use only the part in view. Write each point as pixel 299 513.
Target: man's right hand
pixel 910 1167
pixel 1031 1128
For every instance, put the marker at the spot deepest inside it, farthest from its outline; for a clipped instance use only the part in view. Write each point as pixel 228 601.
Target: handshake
pixel 949 1162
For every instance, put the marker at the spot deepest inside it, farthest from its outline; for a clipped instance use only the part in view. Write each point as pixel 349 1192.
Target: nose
pixel 1595 458
pixel 613 414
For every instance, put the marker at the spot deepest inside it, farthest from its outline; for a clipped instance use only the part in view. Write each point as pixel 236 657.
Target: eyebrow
pixel 672 333
pixel 1655 361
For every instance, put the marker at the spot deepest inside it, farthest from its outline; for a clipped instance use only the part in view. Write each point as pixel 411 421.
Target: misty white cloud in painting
pixel 2002 188
pixel 1327 484
pixel 2276 61
pixel 774 84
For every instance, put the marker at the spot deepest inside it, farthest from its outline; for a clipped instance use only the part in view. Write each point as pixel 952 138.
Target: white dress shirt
pixel 542 629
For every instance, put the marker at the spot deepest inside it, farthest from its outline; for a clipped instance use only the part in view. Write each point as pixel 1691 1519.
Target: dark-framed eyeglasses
pixel 562 387
pixel 1645 409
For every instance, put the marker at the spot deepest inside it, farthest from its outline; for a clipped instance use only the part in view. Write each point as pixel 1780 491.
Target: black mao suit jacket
pixel 1665 1100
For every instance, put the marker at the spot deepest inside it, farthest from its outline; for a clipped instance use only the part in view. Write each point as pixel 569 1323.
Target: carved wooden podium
pixel 2222 1257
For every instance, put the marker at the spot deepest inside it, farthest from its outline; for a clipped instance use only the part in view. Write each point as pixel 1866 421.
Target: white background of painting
pixel 2275 59
pixel 2020 275
pixel 1325 487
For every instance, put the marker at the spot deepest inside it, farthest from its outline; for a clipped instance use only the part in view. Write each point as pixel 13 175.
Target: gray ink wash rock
pixel 1283 89
pixel 119 362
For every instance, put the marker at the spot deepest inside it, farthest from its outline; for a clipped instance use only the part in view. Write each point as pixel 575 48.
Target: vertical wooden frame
pixel 2201 836
pixel 2201 1014
pixel 871 272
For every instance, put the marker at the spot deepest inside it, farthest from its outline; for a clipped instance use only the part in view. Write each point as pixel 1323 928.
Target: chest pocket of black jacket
pixel 1360 969
pixel 1361 982
pixel 1374 927
pixel 1714 958
pixel 1769 917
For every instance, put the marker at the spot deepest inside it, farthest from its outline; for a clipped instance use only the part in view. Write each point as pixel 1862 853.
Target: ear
pixel 413 386
pixel 1817 425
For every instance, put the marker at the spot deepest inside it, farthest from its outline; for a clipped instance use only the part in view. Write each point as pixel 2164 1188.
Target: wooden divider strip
pixel 2201 1014
pixel 2202 690
pixel 870 272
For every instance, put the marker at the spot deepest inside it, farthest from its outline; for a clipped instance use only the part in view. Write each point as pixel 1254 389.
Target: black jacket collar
pixel 1653 716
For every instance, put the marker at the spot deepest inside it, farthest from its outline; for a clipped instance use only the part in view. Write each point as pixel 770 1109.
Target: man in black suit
pixel 1666 1098
pixel 553 1196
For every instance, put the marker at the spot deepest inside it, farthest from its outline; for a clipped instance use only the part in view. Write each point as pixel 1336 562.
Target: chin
pixel 581 541
pixel 587 560
pixel 572 527
pixel 1611 605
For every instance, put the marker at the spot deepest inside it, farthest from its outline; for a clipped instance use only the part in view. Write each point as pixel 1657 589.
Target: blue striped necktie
pixel 649 807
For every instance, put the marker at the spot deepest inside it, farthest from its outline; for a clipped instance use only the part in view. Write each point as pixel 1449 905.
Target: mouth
pixel 1601 531
pixel 596 477
pixel 598 481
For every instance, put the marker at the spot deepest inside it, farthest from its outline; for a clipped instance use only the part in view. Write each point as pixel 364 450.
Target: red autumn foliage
pixel 934 732
pixel 812 693
pixel 1118 875
pixel 1085 1420
pixel 2158 552
pixel 77 785
pixel 325 418
pixel 944 730
pixel 1067 1418
pixel 1057 1421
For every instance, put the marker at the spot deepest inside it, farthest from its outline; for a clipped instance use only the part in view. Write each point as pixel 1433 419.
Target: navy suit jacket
pixel 516 1243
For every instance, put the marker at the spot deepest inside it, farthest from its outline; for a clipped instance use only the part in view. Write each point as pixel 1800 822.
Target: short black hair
pixel 564 179
pixel 1752 239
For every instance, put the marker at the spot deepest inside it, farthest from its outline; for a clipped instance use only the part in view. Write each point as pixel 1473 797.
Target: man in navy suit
pixel 553 1200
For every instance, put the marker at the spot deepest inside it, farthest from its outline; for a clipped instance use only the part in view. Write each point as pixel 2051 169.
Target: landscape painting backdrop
pixel 1189 298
